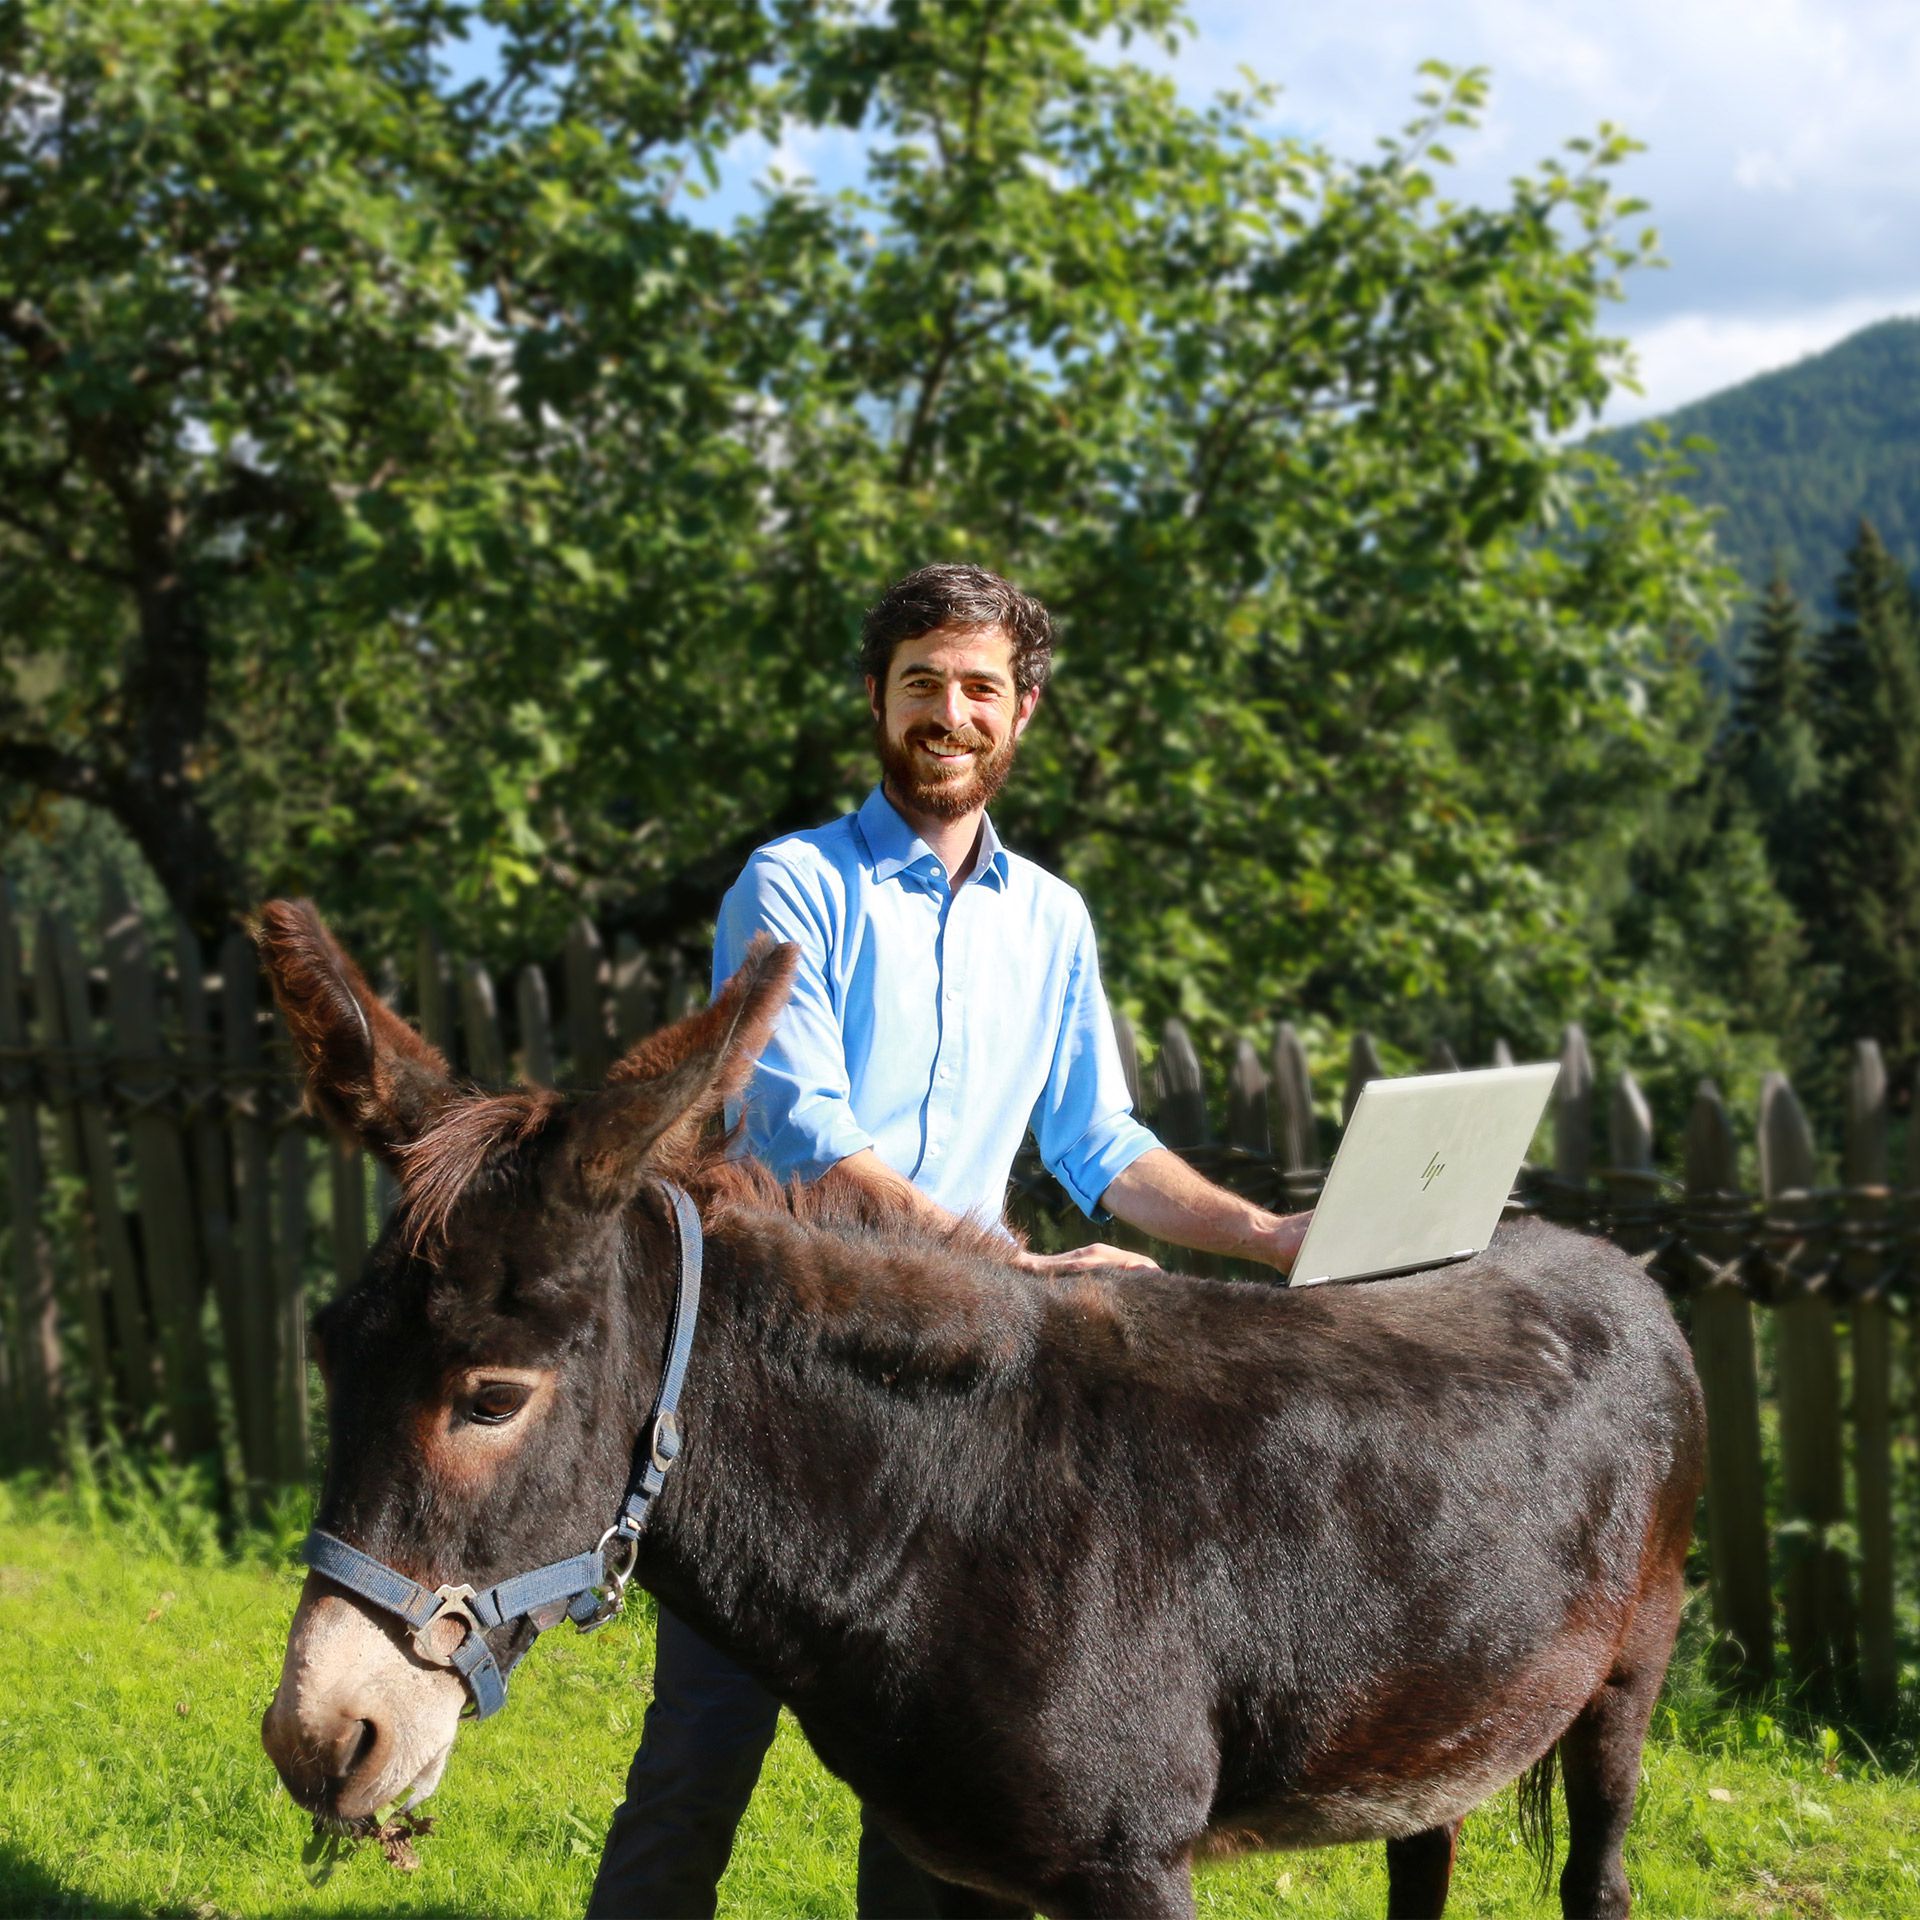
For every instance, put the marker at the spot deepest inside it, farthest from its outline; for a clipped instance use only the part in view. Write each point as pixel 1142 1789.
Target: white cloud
pixel 1783 161
pixel 1688 355
pixel 1761 172
pixel 829 157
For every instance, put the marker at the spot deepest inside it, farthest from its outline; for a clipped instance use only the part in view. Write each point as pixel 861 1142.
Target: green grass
pixel 132 1779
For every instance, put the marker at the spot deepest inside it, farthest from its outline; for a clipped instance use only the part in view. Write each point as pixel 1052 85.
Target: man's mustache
pixel 967 740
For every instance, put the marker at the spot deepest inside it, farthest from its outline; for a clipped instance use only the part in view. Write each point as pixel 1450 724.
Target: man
pixel 948 997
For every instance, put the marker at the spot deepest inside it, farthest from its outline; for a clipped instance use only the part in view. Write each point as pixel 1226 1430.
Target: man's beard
pixel 945 796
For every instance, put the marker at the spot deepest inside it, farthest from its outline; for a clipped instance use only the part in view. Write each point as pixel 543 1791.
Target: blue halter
pixel 564 1589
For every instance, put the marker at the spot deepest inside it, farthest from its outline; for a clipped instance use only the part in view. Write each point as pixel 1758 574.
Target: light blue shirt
pixel 932 1024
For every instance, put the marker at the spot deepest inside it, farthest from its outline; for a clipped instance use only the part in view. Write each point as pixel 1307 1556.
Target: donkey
pixel 1074 1582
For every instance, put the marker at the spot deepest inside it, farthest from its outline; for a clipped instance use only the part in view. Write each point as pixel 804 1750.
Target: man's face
pixel 948 717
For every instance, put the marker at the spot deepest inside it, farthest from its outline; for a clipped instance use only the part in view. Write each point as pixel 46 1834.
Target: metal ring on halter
pixel 454 1603
pixel 617 1577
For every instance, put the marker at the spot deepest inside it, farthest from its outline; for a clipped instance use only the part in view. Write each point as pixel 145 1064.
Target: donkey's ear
pixel 662 1094
pixel 368 1073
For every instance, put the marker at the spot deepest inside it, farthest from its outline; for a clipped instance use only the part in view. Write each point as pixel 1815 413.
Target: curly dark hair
pixel 947 595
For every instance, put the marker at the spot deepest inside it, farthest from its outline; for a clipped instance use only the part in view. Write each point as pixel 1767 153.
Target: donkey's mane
pixel 486 1135
pixel 474 1135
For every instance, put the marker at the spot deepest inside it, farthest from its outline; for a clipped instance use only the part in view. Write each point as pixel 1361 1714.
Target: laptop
pixel 1422 1172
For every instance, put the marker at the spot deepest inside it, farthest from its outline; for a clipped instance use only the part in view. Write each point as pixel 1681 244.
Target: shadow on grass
pixel 27 1888
pixel 29 1892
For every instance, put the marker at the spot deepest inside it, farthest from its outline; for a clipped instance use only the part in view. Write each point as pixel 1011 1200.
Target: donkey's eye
pixel 497 1401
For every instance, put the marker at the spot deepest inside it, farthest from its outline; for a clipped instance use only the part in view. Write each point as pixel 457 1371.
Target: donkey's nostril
pixel 351 1748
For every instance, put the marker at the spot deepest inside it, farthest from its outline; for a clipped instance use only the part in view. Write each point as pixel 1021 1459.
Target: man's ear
pixel 1023 711
pixel 368 1073
pixel 875 705
pixel 661 1095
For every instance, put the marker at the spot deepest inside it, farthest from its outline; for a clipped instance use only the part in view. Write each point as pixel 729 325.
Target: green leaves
pixel 526 514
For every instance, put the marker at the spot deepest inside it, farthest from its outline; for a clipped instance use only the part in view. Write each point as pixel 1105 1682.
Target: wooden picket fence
pixel 173 1215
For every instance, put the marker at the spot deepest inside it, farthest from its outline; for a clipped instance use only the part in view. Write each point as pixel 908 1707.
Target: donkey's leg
pixel 1600 1761
pixel 1419 1869
pixel 1123 1893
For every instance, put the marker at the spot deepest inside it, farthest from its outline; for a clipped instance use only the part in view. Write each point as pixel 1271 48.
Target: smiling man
pixel 948 1000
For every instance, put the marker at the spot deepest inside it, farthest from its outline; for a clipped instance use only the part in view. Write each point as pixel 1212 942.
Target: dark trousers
pixel 707 1730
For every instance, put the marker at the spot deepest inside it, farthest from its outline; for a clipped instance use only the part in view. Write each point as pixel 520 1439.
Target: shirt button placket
pixel 940 1103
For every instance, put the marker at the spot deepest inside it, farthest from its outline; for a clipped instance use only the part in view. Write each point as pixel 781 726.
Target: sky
pixel 1783 145
pixel 1782 161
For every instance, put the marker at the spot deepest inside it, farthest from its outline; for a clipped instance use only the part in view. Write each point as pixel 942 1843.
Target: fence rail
pixel 171 1211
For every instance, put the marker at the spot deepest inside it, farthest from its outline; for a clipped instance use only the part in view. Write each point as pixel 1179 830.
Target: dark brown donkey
pixel 1074 1583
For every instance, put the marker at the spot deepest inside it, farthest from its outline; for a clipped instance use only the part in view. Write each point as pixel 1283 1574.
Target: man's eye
pixel 496 1402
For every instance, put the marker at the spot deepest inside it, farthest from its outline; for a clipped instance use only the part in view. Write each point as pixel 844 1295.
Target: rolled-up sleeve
pixel 797 1107
pixel 1083 1120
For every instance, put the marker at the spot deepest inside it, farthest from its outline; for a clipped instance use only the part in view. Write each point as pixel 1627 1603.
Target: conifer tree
pixel 1776 665
pixel 1871 589
pixel 1773 752
pixel 1869 708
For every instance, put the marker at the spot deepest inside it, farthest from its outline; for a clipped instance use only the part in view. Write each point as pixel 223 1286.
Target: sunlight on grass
pixel 132 1782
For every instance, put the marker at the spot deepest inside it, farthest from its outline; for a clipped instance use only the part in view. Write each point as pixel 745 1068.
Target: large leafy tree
pixel 410 492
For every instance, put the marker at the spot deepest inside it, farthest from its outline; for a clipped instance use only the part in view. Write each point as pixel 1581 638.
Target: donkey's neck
pixel 832 1413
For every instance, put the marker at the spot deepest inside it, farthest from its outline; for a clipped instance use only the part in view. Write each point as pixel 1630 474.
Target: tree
pixel 413 497
pixel 1872 595
pixel 1870 800
pixel 1773 750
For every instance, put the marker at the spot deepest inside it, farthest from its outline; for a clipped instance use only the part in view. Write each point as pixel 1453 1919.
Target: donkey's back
pixel 1286 1569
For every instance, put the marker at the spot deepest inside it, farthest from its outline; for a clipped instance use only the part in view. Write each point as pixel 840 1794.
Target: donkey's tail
pixel 1535 1791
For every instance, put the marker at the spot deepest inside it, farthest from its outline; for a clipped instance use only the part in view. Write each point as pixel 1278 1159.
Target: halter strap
pixel 662 1431
pixel 571 1588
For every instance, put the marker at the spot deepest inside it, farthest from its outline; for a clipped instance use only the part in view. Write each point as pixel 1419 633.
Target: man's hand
pixel 1088 1259
pixel 1282 1240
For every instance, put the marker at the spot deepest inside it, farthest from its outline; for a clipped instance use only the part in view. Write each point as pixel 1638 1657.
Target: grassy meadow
pixel 136 1658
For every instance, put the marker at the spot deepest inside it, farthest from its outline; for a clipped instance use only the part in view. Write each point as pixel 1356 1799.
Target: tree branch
pixel 63 549
pixel 39 763
pixel 929 393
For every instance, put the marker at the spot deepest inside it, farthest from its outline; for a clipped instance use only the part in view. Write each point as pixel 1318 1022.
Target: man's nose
pixel 954 712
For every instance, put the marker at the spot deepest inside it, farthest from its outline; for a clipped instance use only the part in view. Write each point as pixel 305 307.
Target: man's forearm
pixel 1163 1196
pixel 867 1171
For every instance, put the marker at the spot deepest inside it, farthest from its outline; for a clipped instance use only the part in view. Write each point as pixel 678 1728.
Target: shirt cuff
pixel 1098 1158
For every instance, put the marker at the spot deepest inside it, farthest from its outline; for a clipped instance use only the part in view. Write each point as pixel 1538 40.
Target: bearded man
pixel 947 1000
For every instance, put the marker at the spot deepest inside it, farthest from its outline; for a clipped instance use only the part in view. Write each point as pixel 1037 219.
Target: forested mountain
pixel 1802 454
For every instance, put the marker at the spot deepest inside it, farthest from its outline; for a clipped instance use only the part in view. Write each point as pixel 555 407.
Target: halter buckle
pixel 617 1577
pixel 454 1602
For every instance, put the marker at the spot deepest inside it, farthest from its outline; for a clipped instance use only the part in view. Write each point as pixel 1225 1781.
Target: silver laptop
pixel 1422 1172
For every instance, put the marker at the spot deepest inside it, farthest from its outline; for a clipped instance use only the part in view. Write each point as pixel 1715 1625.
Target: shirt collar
pixel 896 848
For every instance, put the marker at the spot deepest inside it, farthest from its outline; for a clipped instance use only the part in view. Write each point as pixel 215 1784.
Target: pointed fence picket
pixel 32 1346
pixel 1724 1357
pixel 186 1124
pixel 143 1070
pixel 251 1096
pixel 589 1030
pixel 199 1086
pixel 636 1003
pixel 66 1009
pixel 1296 1133
pixel 1807 1360
pixel 1866 1275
